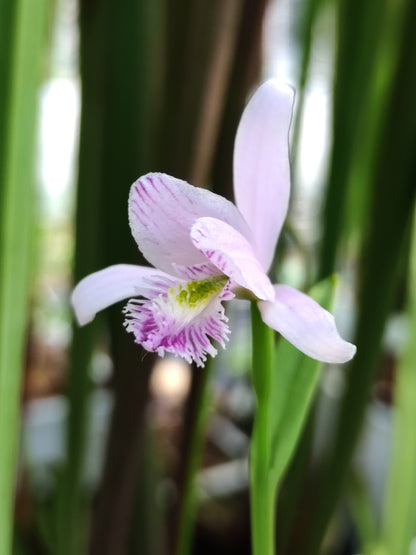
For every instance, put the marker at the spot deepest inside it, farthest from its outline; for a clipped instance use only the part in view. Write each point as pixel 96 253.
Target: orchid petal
pixel 196 272
pixel 162 210
pixel 306 324
pixel 231 253
pixel 106 287
pixel 261 165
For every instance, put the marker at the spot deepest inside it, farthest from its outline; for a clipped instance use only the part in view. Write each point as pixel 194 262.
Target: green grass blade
pixel 17 179
pixel 285 392
pixel 362 514
pixel 293 390
pixel 358 38
pixel 384 241
pixel 117 140
pixel 370 125
pixel 400 504
pixel 69 531
pixel 307 15
pixel 7 23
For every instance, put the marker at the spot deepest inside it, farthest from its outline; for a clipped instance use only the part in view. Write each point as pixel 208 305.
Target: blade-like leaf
pixel 362 513
pixel 385 237
pixel 358 39
pixel 27 21
pixel 400 504
pixel 293 390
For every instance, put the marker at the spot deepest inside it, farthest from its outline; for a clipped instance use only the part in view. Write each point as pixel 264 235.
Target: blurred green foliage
pixel 22 45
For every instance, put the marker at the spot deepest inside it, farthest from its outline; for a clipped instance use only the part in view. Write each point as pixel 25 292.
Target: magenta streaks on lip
pixel 168 189
pixel 201 233
pixel 143 222
pixel 143 191
pixel 191 340
pixel 152 183
pixel 140 209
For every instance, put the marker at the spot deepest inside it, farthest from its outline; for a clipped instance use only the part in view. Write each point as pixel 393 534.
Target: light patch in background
pixel 171 380
pixel 313 147
pixel 281 60
pixel 59 124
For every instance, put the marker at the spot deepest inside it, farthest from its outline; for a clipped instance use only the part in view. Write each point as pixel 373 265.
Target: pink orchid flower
pixel 206 250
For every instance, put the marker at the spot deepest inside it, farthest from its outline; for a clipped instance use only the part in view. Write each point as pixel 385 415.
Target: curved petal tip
pixel 307 325
pixel 109 286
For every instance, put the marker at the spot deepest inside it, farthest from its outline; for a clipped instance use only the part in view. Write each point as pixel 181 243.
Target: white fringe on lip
pixel 163 325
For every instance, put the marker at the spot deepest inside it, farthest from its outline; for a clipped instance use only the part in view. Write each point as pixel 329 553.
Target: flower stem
pixel 261 484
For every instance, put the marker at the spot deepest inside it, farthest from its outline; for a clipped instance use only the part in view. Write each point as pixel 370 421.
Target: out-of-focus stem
pixel 192 447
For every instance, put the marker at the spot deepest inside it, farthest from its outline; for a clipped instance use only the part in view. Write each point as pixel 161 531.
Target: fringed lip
pixel 176 320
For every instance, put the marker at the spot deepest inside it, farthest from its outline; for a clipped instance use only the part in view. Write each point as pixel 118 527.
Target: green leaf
pixel 19 98
pixel 384 240
pixel 357 46
pixel 362 513
pixel 400 503
pixel 293 389
pixel 284 393
pixel 119 108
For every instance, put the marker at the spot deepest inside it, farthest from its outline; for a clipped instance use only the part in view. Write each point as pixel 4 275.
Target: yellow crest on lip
pixel 197 293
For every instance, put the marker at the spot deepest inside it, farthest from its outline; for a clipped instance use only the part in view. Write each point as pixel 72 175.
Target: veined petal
pixel 231 253
pixel 306 324
pixel 197 271
pixel 261 165
pixel 162 210
pixel 115 283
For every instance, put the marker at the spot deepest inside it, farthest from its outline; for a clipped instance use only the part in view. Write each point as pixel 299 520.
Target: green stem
pixel 262 494
pixel 261 486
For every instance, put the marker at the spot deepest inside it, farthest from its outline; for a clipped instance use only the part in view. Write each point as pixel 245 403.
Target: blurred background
pixel 97 438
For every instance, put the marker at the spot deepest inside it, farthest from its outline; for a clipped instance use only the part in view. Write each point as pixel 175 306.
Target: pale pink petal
pixel 197 271
pixel 162 210
pixel 306 324
pixel 231 253
pixel 261 165
pixel 106 287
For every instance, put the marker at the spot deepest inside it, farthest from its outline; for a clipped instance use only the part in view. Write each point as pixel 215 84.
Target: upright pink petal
pixel 106 287
pixel 231 253
pixel 261 165
pixel 307 325
pixel 162 210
